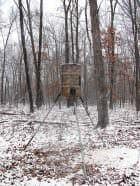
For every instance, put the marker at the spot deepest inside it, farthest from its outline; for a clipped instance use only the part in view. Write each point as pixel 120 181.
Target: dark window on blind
pixel 79 80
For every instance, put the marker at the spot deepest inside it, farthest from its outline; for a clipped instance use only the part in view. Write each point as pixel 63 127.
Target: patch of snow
pixel 118 157
pixel 35 182
pixel 58 139
pixel 3 145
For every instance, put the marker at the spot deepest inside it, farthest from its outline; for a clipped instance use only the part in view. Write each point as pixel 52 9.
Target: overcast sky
pixel 50 6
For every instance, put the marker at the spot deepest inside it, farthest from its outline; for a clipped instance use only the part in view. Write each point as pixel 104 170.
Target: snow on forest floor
pixel 110 156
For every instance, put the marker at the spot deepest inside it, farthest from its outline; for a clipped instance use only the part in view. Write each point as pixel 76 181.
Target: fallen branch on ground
pixel 13 114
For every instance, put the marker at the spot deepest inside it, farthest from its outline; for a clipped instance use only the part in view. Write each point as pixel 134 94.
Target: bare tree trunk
pixel 77 31
pixel 66 40
pixel 31 35
pixel 85 76
pixel 4 58
pixel 137 59
pixel 66 11
pixel 72 40
pixel 25 57
pixel 87 29
pixel 2 76
pixel 102 106
pixel 39 96
pixel 20 77
pixel 37 64
pixel 112 52
pixel 136 50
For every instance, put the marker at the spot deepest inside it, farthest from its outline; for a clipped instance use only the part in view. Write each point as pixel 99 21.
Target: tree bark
pixel 133 15
pixel 87 29
pixel 37 63
pixel 5 43
pixel 25 57
pixel 102 106
pixel 39 96
pixel 77 31
pixel 72 36
pixel 112 53
pixel 66 11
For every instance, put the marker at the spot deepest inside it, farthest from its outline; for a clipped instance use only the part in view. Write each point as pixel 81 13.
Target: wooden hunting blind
pixel 71 81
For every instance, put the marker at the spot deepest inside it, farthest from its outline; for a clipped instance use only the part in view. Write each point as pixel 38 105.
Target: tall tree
pixel 87 28
pixel 130 8
pixel 136 48
pixel 72 33
pixel 25 55
pixel 66 6
pixel 5 43
pixel 77 30
pixel 37 62
pixel 31 34
pixel 113 4
pixel 102 106
pixel 39 97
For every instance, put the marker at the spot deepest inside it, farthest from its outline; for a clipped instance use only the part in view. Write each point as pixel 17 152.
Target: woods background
pixel 33 48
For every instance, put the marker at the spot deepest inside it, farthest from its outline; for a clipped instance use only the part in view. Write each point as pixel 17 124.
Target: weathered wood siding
pixel 71 78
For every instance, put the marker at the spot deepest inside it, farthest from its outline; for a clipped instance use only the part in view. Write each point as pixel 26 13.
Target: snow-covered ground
pixel 64 153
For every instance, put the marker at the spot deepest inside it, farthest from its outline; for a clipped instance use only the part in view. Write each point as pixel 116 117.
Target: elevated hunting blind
pixel 71 81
